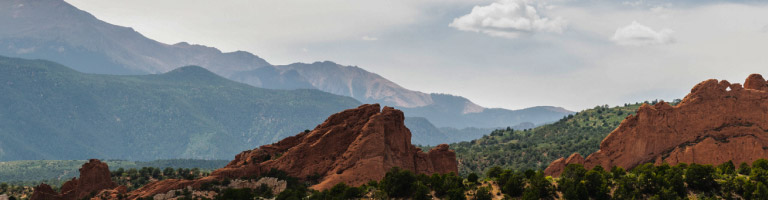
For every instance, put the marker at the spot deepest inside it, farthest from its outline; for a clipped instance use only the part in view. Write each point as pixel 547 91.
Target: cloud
pixel 507 18
pixel 369 38
pixel 637 34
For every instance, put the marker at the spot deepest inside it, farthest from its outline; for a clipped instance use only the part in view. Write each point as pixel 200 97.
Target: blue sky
pixel 504 53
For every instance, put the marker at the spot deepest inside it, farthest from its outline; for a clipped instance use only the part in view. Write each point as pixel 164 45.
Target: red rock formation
pixel 94 177
pixel 353 146
pixel 558 165
pixel 715 123
pixel 44 191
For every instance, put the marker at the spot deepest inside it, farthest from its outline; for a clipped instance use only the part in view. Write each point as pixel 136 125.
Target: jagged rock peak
pixel 717 122
pixel 353 146
pixel 94 177
pixel 756 82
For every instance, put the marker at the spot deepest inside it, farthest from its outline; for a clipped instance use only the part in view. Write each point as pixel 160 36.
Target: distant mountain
pixel 442 110
pixel 522 149
pixel 55 30
pixel 425 133
pixel 357 83
pixel 48 111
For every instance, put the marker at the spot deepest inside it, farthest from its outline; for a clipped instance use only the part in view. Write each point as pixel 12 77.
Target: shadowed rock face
pixel 715 123
pixel 353 146
pixel 94 177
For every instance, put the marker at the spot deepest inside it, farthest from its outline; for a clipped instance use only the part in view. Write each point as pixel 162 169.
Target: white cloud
pixel 637 34
pixel 369 38
pixel 507 18
pixel 633 3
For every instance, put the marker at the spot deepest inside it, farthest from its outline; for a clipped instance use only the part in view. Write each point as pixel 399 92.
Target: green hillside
pixel 51 112
pixel 536 148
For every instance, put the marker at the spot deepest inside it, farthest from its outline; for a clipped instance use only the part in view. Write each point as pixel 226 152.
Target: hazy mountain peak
pixel 56 30
pixel 192 69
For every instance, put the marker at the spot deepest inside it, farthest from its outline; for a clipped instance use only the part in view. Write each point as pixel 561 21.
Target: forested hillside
pixel 536 148
pixel 52 112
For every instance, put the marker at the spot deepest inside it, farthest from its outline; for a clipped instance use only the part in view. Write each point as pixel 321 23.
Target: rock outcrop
pixel 717 122
pixel 353 146
pixel 94 177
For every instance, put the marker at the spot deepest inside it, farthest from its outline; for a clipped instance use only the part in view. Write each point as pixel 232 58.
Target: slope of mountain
pixel 442 110
pixel 358 83
pixel 425 133
pixel 458 112
pixel 716 123
pixel 55 30
pixel 49 111
pixel 536 148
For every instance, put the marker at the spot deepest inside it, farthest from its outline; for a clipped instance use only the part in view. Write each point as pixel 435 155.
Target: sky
pixel 498 53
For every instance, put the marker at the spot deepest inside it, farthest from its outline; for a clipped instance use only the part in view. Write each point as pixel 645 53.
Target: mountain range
pixel 49 111
pixel 57 31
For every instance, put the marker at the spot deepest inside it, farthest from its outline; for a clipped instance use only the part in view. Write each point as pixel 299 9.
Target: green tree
pixel 169 172
pixel 512 183
pixel 421 192
pixel 118 172
pixel 665 193
pixel 571 184
pixel 472 178
pixel 700 177
pixel 761 191
pixel 398 183
pixel 617 172
pixel 539 188
pixel 483 193
pixel 597 185
pixel 445 183
pixel 747 188
pixel 627 187
pixel 744 169
pixel 494 172
pixel 727 168
pixel 455 194
pixel 759 171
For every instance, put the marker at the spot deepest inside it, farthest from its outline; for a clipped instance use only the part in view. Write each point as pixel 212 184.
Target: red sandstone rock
pixel 353 146
pixel 715 123
pixel 44 191
pixel 558 165
pixel 94 177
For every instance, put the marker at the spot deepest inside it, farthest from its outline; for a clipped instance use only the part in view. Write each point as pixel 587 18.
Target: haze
pixel 510 54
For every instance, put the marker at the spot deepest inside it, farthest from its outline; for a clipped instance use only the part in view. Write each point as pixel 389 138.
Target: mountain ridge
pixel 57 31
pixel 53 112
